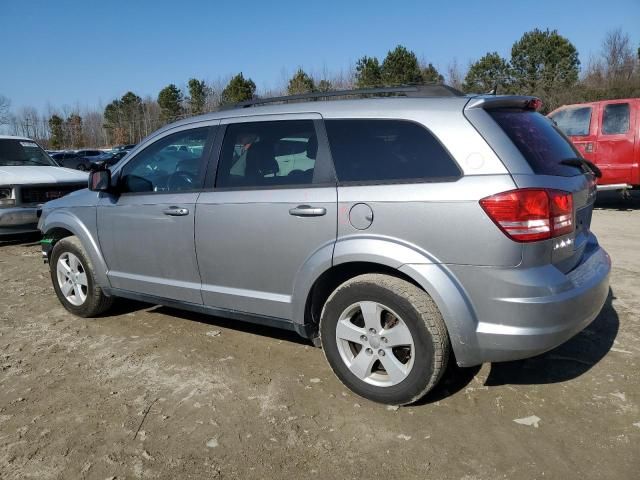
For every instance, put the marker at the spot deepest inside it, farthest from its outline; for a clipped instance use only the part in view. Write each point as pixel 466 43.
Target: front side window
pixel 173 163
pixel 268 154
pixel 387 150
pixel 15 152
pixel 615 119
pixel 573 121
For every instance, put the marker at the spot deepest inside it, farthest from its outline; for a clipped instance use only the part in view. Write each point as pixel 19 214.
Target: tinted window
pixel 22 153
pixel 165 166
pixel 541 143
pixel 615 119
pixel 267 154
pixel 573 121
pixel 387 150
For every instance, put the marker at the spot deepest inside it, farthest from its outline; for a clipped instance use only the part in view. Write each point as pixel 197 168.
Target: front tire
pixel 384 338
pixel 73 279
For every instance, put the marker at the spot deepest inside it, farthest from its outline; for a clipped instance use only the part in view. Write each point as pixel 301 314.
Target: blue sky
pixel 85 53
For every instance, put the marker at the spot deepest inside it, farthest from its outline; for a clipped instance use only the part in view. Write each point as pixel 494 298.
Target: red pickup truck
pixel 608 134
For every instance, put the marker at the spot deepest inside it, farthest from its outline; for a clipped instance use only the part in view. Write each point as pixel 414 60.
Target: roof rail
pixel 426 90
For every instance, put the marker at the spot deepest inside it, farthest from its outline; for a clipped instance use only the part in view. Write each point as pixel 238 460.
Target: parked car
pixel 28 178
pixel 72 160
pixel 116 156
pixel 409 231
pixel 118 148
pixel 608 134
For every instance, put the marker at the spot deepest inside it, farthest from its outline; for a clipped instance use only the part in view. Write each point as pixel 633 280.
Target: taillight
pixel 531 214
pixel 534 104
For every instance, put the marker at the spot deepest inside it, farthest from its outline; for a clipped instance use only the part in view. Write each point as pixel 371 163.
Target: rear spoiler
pixel 489 102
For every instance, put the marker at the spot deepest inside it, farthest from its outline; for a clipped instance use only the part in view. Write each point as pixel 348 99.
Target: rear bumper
pixel 521 313
pixel 18 220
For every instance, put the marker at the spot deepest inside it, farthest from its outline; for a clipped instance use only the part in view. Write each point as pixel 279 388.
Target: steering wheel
pixel 181 181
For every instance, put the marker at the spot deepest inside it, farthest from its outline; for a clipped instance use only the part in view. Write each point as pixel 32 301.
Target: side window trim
pixel 211 135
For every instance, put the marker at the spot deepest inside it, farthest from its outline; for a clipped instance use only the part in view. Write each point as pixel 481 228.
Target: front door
pixel 273 208
pixel 146 229
pixel 616 143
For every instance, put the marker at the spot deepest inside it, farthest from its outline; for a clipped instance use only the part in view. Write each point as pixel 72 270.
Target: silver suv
pixel 396 232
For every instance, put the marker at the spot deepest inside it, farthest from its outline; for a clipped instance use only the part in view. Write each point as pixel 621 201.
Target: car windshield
pixel 14 153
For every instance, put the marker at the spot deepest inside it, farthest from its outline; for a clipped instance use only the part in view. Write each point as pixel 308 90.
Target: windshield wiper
pixel 584 164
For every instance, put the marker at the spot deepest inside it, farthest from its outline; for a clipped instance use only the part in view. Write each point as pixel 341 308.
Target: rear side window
pixel 387 150
pixel 540 142
pixel 615 119
pixel 573 121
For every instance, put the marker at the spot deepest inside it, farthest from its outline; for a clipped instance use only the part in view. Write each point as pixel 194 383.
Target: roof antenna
pixel 494 90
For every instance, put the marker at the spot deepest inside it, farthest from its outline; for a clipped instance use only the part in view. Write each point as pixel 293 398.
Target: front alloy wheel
pixel 72 279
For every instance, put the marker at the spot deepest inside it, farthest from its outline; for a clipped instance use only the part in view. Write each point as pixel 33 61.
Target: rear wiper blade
pixel 584 164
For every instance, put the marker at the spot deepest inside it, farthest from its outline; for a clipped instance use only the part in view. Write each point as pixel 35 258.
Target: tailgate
pixel 536 153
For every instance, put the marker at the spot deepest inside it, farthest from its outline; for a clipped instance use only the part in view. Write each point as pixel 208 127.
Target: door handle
pixel 307 211
pixel 176 211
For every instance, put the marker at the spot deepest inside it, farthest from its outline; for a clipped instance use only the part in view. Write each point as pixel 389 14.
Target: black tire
pixel 419 313
pixel 96 301
pixel 81 167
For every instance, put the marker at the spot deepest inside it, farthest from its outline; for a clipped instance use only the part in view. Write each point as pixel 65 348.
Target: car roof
pixel 13 137
pixel 353 108
pixel 597 102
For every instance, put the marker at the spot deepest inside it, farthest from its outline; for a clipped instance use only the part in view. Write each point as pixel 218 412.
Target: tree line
pixel 542 63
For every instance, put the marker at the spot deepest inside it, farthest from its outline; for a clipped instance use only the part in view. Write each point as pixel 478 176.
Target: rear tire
pixel 384 338
pixel 73 278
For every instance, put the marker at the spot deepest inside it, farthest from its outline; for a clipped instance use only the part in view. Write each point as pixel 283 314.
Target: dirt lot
pixel 152 392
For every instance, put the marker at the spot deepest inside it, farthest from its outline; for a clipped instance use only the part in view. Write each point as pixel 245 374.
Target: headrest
pixel 261 161
pixel 312 147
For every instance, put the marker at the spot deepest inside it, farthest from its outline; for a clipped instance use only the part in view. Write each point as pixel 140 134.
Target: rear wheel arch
pixel 331 279
pixel 449 297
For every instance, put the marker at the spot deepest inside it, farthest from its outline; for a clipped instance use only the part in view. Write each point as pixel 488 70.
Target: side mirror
pixel 100 180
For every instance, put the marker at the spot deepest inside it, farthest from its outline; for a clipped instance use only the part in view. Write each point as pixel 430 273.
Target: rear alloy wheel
pixel 375 343
pixel 74 281
pixel 384 338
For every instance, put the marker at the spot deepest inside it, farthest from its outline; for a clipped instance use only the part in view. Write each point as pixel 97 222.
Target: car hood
pixel 21 175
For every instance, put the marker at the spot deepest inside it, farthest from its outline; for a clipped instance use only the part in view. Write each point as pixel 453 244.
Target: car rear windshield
pixel 540 142
pixel 15 153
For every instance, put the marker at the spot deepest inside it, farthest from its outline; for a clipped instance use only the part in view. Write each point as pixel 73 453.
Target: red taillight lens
pixel 531 214
pixel 534 104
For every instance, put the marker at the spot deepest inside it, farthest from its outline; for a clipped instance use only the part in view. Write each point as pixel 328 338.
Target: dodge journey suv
pixel 398 233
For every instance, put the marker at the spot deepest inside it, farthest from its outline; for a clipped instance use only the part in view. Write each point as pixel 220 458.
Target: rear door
pixel 271 209
pixel 616 142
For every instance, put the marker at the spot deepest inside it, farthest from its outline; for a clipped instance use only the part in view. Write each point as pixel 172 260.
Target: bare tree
pixel 617 55
pixel 454 75
pixel 5 104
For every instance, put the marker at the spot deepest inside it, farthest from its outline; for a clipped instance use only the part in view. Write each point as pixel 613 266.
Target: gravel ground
pixel 152 392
